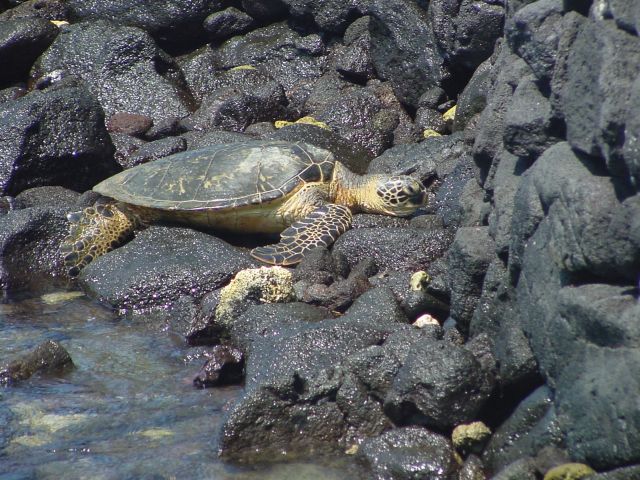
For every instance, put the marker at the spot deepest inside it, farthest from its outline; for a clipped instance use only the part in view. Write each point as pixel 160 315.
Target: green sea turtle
pixel 249 187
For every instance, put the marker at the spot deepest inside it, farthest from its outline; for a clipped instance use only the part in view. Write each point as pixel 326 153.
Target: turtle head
pixel 399 195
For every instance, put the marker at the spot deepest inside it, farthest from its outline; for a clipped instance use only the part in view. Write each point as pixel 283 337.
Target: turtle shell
pixel 221 176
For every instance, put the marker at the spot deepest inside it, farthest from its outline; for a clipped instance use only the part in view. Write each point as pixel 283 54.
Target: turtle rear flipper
pixel 319 229
pixel 93 232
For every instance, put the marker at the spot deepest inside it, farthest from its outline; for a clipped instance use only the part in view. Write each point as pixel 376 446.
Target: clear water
pixel 126 410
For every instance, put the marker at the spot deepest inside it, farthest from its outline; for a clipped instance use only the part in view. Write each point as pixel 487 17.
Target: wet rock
pixel 469 257
pixel 267 11
pixel 522 469
pixel 532 426
pixel 293 381
pixel 353 155
pixel 196 140
pixel 174 23
pixel 404 49
pixel 126 146
pixel 271 319
pixel 224 367
pixel 127 74
pixel 49 10
pixel 47 357
pixel 227 23
pixel 277 50
pixel 29 240
pixel 46 196
pixel 22 40
pixel 439 385
pixel 419 246
pixel 154 150
pixel 251 287
pixel 339 295
pixel 129 124
pixel 238 99
pixel 355 60
pixel 472 469
pixel 160 265
pixel 466 31
pixel 623 473
pixel 407 453
pixel 602 65
pixel 54 137
pixel 319 266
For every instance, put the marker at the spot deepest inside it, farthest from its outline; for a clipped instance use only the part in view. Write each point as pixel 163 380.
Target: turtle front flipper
pixel 319 229
pixel 93 232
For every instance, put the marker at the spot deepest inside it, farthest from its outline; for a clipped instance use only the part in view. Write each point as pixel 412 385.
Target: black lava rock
pixel 47 357
pixel 408 453
pixel 54 137
pixel 22 40
pixel 160 265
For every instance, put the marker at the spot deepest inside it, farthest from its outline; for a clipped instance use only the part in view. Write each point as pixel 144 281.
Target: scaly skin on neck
pixel 355 191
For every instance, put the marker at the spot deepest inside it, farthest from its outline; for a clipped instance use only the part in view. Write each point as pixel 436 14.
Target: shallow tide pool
pixel 126 410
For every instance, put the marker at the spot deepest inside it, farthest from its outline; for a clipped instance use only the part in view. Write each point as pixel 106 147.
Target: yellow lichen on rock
pixel 59 23
pixel 306 120
pixel 430 133
pixel 264 284
pixel 419 280
pixel 450 114
pixel 470 437
pixel 569 471
pixel 242 67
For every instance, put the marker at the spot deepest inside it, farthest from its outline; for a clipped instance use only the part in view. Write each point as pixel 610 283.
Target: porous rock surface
pixel 530 243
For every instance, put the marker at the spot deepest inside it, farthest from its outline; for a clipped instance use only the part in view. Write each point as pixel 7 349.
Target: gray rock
pixel 160 265
pixel 227 23
pixel 533 33
pixel 439 385
pixel 408 454
pixel 602 66
pixel 54 137
pixel 196 140
pixel 22 40
pixel 625 14
pixel 266 11
pixel 509 69
pixel 47 357
pixel 433 157
pixel 466 30
pixel 29 241
pixel 623 473
pixel 394 248
pixel 127 74
pixel 176 23
pixel 469 257
pixel 532 426
pixel 529 128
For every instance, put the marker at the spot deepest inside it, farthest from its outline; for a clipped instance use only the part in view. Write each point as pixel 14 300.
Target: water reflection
pixel 127 409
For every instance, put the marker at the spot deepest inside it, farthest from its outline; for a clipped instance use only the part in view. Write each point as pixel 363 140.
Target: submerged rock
pixel 47 357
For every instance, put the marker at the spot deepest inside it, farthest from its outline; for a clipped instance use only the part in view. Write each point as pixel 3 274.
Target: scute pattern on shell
pixel 221 176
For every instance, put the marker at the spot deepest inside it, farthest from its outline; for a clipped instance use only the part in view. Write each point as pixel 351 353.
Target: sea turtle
pixel 248 187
